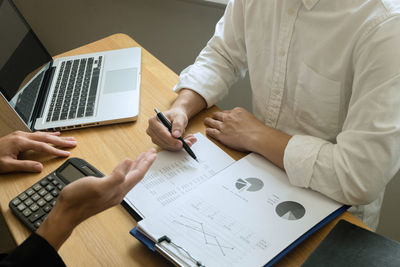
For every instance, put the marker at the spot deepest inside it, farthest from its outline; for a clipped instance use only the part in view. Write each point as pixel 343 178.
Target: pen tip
pixel 197 160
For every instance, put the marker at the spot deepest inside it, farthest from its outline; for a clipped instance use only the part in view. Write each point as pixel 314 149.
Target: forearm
pixel 269 143
pixel 56 228
pixel 189 102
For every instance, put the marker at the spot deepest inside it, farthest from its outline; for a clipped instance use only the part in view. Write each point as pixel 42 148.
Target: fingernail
pixel 177 133
pixel 37 167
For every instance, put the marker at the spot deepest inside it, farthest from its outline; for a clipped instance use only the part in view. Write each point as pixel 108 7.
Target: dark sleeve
pixel 34 251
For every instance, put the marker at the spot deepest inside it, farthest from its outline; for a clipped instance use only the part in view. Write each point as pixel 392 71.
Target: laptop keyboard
pixel 75 92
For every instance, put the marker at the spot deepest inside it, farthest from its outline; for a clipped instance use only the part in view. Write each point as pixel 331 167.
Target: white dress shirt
pixel 326 72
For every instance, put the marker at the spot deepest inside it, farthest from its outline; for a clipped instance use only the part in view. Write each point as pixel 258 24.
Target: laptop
pixel 64 93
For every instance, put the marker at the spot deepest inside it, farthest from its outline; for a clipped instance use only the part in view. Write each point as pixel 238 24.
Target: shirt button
pixel 276 91
pixel 290 11
pixel 282 52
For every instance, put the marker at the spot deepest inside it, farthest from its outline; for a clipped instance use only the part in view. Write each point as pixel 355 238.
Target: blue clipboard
pixel 151 245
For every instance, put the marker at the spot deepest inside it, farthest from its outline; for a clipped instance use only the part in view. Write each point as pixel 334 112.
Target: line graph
pixel 210 239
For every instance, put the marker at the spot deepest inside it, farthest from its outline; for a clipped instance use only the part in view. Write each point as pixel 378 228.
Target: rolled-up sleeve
pixel 222 62
pixel 356 169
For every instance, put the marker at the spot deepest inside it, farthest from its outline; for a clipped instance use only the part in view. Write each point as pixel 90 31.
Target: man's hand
pixel 161 136
pixel 90 195
pixel 235 128
pixel 188 104
pixel 240 130
pixel 12 145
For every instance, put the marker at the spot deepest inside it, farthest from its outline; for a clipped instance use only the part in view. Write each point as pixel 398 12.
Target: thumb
pixel 23 165
pixel 178 126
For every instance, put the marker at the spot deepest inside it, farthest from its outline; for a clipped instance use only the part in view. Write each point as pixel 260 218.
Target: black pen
pixel 167 124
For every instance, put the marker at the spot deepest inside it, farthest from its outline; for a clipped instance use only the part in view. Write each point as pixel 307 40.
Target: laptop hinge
pixel 43 94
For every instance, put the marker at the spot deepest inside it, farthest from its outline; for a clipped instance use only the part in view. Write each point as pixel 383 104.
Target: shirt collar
pixel 309 4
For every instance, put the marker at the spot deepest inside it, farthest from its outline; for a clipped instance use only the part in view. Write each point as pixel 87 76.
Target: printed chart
pixel 290 210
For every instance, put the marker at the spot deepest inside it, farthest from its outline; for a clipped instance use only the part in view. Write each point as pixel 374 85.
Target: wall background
pixel 172 30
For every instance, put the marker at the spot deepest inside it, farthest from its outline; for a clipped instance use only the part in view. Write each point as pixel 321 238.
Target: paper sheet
pixel 243 216
pixel 173 174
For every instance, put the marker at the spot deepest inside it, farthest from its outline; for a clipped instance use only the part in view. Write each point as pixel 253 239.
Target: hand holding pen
pixel 168 125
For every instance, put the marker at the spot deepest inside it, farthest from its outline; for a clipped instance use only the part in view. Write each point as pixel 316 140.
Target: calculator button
pixel 49 187
pixel 23 196
pixel 53 203
pixel 34 207
pixel 27 212
pixel 21 207
pixel 28 202
pixel 60 187
pixel 16 201
pixel 30 192
pixel 41 202
pixel 48 197
pixel 35 197
pixel 44 182
pixel 42 192
pixel 50 177
pixel 37 187
pixel 55 182
pixel 37 215
pixel 55 192
pixel 37 224
pixel 47 208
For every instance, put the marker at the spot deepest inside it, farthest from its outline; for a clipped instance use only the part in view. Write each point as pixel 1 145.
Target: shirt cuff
pixel 299 159
pixel 204 82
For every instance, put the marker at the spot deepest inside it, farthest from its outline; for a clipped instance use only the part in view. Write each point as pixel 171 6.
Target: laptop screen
pixel 23 61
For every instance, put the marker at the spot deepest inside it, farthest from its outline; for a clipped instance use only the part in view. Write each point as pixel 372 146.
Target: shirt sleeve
pixel 356 169
pixel 222 62
pixel 34 251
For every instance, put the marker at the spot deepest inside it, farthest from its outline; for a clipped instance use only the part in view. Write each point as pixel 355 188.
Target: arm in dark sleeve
pixel 34 251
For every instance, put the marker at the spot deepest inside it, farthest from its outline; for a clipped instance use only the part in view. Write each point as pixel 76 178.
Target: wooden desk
pixel 104 239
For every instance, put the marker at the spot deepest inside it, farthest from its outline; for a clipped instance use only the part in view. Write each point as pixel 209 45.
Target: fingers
pixel 214 133
pixel 178 126
pixel 212 123
pixel 161 136
pixel 219 115
pixel 54 133
pixel 164 139
pixel 38 146
pixel 141 166
pixel 12 165
pixel 53 138
pixel 190 139
pixel 128 173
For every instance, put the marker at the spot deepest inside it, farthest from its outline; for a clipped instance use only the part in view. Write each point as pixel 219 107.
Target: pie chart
pixel 249 184
pixel 290 210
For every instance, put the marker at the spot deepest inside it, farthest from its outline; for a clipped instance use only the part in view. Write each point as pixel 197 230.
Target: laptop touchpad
pixel 120 80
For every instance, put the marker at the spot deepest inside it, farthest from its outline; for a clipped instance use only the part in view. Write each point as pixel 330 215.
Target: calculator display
pixel 71 173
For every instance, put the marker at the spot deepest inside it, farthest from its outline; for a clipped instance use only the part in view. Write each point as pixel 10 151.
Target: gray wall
pixel 172 30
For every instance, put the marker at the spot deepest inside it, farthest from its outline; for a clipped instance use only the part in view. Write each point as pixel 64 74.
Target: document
pixel 245 215
pixel 173 174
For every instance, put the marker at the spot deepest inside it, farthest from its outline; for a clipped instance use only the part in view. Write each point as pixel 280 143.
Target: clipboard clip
pixel 169 241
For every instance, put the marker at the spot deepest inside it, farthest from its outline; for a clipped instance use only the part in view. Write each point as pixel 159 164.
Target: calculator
pixel 33 205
